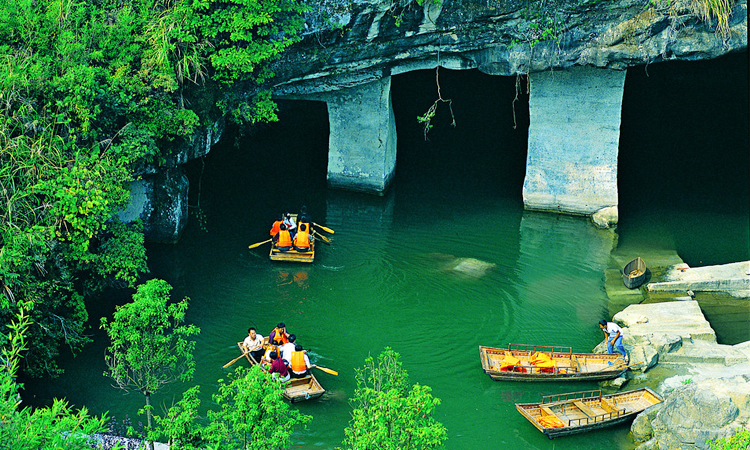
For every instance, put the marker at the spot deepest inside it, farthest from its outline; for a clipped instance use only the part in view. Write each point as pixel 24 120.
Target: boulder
pixel 605 217
pixel 641 428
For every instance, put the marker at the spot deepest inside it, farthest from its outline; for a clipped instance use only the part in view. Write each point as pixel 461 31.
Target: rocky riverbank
pixel 706 386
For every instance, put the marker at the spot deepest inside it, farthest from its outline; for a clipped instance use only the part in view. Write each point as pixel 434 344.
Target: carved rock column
pixel 574 134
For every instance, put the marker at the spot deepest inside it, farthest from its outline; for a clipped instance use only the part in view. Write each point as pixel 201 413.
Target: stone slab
pixel 683 319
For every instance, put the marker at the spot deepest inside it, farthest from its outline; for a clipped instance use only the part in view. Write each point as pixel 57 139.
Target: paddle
pixel 326 370
pixel 259 244
pixel 233 361
pixel 326 229
pixel 322 238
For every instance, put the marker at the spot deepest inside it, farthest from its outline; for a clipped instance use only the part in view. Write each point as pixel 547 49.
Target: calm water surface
pixel 390 277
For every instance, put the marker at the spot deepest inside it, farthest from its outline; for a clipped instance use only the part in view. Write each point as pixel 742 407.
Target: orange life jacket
pixel 298 361
pixel 302 239
pixel 276 227
pixel 279 338
pixel 284 239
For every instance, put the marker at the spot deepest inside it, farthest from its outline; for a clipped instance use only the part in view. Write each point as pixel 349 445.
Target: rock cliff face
pixel 372 39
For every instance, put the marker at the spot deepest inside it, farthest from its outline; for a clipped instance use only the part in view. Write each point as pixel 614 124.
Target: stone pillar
pixel 362 142
pixel 574 134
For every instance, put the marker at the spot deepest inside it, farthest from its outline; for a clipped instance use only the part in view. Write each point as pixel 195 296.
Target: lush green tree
pixel 150 345
pixel 389 413
pixel 252 415
pixel 740 441
pixel 57 427
pixel 92 94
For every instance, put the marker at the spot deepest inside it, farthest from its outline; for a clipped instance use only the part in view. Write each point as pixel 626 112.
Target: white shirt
pixel 286 352
pixel 251 343
pixel 613 329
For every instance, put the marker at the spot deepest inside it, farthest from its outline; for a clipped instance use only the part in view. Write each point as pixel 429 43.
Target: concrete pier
pixel 574 135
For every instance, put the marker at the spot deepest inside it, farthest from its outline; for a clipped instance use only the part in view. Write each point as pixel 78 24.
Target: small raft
pixel 524 362
pixel 634 273
pixel 579 412
pixel 293 255
pixel 297 389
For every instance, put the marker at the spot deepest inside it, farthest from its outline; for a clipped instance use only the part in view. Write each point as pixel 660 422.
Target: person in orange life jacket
pixel 302 239
pixel 283 240
pixel 278 336
pixel 253 344
pixel 278 369
pixel 277 226
pixel 287 349
pixel 300 363
pixel 290 225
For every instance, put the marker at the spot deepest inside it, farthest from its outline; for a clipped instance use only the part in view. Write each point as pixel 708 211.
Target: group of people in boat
pixel 286 234
pixel 282 356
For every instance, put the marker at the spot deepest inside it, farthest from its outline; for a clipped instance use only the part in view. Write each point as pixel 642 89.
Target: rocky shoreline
pixel 705 385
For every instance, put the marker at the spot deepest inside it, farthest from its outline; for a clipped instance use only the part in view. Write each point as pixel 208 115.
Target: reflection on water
pixel 446 261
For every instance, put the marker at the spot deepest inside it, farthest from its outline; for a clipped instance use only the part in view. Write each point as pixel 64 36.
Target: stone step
pixel 705 352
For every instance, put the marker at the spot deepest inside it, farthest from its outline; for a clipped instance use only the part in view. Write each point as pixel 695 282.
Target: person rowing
pixel 253 344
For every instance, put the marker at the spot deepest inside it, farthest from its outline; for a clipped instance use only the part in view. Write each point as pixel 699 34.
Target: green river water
pixel 389 277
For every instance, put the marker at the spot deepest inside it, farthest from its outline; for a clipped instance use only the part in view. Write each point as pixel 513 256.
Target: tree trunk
pixel 148 418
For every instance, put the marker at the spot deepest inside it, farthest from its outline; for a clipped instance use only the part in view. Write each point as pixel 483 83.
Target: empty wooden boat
pixel 579 412
pixel 301 389
pixel 634 273
pixel 524 362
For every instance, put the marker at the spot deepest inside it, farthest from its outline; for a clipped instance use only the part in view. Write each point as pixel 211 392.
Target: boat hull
pixel 634 273
pixel 569 366
pixel 303 389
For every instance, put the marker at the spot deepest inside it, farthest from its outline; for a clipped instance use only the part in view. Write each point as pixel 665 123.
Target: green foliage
pixel 149 343
pixel 740 441
pixel 388 413
pixel 252 415
pixel 57 427
pixel 706 10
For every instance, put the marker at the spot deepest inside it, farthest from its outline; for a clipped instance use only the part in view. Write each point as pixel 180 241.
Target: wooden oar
pixel 234 360
pixel 322 238
pixel 326 229
pixel 326 370
pixel 259 243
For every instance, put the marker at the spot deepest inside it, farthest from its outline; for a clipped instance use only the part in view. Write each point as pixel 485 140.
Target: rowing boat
pixel 293 255
pixel 297 389
pixel 301 389
pixel 634 273
pixel 523 362
pixel 578 412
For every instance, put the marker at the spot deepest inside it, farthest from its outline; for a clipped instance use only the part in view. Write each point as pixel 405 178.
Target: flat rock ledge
pixel 733 279
pixel 712 402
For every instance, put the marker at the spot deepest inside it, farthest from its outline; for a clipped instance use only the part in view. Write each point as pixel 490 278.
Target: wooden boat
pixel 500 364
pixel 301 389
pixel 634 273
pixel 297 389
pixel 578 412
pixel 293 255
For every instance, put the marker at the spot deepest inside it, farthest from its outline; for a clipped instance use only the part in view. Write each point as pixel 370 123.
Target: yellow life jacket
pixel 298 361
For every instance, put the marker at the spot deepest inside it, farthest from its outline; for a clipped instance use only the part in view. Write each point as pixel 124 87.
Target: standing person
pixel 278 369
pixel 288 348
pixel 300 365
pixel 301 240
pixel 253 344
pixel 304 217
pixel 279 335
pixel 613 334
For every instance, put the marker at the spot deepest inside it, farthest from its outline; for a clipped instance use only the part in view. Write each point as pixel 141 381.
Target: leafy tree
pixel 150 345
pixel 388 413
pixel 740 441
pixel 252 415
pixel 58 427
